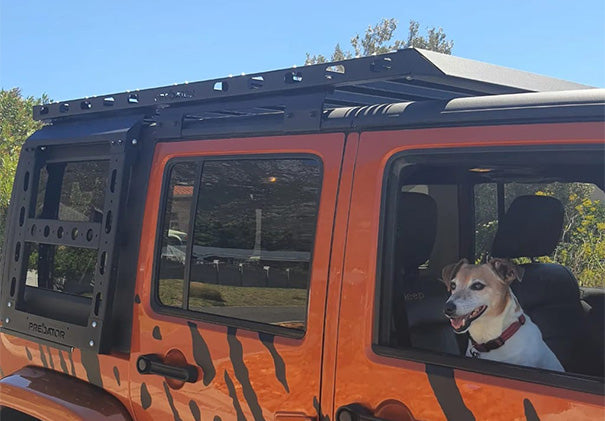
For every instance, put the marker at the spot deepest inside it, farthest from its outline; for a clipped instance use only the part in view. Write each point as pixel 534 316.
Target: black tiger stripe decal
pixel 63 363
pixel 241 373
pixel 447 393
pixel 201 354
pixel 233 394
pixel 278 361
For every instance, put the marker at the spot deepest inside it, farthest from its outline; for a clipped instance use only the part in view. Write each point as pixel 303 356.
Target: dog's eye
pixel 477 286
pixel 452 286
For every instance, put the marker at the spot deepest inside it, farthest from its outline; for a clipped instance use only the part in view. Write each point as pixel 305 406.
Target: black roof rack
pixel 405 75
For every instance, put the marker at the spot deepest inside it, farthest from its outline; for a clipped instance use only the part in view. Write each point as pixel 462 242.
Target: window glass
pixel 61 268
pixel 252 241
pixel 73 191
pixel 67 191
pixel 175 233
pixel 546 218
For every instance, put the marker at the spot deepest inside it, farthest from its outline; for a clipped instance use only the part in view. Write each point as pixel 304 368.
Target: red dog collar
pixel 500 340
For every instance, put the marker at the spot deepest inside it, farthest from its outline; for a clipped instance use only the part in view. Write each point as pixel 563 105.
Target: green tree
pixel 378 39
pixel 582 246
pixel 16 124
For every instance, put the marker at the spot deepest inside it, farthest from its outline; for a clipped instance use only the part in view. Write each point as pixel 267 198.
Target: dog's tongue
pixel 457 322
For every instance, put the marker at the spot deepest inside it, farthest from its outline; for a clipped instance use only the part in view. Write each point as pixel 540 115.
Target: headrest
pixel 530 228
pixel 546 286
pixel 416 230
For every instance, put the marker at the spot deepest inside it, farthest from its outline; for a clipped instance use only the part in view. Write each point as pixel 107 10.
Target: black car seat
pixel 548 292
pixel 418 300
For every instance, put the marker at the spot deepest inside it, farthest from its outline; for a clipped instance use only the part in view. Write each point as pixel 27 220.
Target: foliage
pixel 582 246
pixel 71 269
pixel 16 124
pixel 378 40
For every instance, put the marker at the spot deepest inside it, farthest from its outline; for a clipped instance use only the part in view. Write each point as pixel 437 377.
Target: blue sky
pixel 70 49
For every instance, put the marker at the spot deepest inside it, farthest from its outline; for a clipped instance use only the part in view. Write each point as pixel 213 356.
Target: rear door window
pixel 247 254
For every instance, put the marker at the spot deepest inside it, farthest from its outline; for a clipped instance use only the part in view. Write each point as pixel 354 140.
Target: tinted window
pixel 252 241
pixel 61 268
pixel 73 191
pixel 175 233
pixel 67 191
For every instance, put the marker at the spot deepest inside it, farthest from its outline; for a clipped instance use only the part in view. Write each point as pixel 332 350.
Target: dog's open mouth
pixel 460 324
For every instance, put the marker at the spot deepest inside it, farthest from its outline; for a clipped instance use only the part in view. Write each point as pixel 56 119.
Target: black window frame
pixel 383 310
pixel 227 321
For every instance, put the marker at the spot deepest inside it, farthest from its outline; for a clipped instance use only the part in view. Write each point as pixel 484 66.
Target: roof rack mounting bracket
pixel 304 112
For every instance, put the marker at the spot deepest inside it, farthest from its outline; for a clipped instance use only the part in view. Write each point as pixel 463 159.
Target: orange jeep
pixel 271 246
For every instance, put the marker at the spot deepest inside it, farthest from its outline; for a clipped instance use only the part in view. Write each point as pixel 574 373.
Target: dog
pixel 482 304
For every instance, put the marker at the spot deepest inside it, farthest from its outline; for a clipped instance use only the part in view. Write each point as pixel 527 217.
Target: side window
pixel 175 233
pixel 70 192
pixel 253 227
pixel 544 222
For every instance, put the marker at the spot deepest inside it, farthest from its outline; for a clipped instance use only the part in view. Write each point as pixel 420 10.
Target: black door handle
pixel 355 412
pixel 152 364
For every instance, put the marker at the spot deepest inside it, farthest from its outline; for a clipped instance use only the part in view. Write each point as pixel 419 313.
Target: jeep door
pixel 415 207
pixel 231 287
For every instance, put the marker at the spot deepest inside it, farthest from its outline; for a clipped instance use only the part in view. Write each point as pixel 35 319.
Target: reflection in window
pixel 61 268
pixel 67 191
pixel 174 234
pixel 72 191
pixel 252 240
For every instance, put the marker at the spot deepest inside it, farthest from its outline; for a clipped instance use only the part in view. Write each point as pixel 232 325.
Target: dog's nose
pixel 450 308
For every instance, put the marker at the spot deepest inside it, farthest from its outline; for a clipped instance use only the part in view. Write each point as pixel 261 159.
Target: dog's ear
pixel 449 272
pixel 506 270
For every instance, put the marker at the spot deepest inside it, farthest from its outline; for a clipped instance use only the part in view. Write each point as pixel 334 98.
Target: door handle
pixel 152 364
pixel 356 412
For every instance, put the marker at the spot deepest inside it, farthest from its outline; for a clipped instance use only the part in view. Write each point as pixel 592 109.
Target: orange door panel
pixel 242 374
pixel 394 388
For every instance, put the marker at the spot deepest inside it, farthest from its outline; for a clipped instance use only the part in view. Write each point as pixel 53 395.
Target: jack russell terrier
pixel 483 304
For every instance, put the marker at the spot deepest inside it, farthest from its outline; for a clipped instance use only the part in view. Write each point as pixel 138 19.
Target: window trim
pixel 571 381
pixel 227 321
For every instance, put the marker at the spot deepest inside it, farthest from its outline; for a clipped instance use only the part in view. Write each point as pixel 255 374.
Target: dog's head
pixel 477 290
